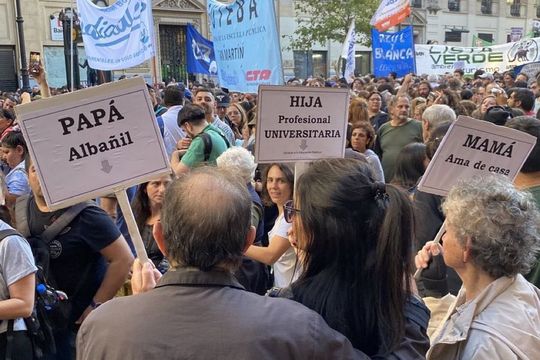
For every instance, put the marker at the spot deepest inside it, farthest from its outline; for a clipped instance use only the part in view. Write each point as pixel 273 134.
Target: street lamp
pixel 22 47
pixel 71 29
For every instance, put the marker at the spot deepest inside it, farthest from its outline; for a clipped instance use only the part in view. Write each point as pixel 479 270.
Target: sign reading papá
pixel 301 124
pixel 94 141
pixel 473 147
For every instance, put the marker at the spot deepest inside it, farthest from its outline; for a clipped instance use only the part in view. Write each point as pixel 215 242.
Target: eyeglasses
pixel 289 211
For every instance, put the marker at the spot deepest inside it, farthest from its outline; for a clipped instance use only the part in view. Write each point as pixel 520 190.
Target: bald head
pixel 206 219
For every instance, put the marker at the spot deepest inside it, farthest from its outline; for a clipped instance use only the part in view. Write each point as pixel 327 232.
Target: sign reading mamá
pixel 300 124
pixel 119 36
pixel 473 147
pixel 439 59
pixel 93 141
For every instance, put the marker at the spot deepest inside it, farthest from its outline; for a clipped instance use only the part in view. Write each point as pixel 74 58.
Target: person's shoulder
pixel 385 126
pixel 414 123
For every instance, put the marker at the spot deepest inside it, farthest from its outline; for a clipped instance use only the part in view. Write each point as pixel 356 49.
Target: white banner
pixel 94 141
pixel 440 59
pixel 119 36
pixel 57 30
pixel 300 123
pixel 473 147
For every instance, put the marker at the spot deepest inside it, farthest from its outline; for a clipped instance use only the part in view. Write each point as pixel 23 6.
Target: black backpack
pixel 207 141
pixel 38 326
pixel 52 307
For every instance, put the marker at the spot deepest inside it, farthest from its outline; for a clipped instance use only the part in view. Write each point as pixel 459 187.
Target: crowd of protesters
pixel 248 261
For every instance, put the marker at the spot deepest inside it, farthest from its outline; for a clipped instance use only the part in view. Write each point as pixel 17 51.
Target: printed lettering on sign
pixel 472 147
pixel 254 75
pixel 101 139
pixel 246 44
pixel 295 124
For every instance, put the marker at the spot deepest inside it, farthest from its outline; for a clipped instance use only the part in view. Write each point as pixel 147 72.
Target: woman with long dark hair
pixel 146 207
pixel 354 237
pixel 278 184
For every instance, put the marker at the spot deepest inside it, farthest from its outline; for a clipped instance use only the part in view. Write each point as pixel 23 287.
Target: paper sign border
pixel 303 90
pixel 463 124
pixel 100 191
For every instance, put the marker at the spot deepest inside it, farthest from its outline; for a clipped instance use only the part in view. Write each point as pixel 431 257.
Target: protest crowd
pixel 248 261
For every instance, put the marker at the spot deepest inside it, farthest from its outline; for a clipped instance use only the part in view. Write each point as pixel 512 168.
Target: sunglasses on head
pixel 289 211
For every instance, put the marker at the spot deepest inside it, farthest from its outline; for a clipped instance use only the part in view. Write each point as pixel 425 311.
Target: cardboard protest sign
pixel 94 141
pixel 393 52
pixel 301 123
pixel 472 147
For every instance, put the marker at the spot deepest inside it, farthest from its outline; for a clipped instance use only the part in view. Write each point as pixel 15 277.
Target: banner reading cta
pixel 119 36
pixel 439 59
pixel 393 52
pixel 246 43
pixel 201 58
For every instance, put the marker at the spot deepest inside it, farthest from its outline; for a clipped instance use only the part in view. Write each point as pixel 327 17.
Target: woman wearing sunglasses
pixel 354 239
pixel 278 183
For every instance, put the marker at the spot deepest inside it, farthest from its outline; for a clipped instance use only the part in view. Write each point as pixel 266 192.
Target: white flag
pixel 119 36
pixel 390 13
pixel 348 54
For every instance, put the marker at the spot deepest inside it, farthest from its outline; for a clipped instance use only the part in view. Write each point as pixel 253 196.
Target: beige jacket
pixel 502 322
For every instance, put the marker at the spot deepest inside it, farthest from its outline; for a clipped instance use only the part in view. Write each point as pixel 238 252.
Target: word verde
pixel 94 118
pixel 449 56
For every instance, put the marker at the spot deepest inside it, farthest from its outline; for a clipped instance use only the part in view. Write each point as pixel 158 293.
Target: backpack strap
pixel 207 141
pixel 8 232
pixel 9 340
pixel 21 218
pixel 64 220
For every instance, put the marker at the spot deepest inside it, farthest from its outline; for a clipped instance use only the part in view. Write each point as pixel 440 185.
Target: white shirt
pixel 284 268
pixel 172 132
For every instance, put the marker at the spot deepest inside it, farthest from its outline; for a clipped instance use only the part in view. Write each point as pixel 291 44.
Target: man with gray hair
pixel 252 274
pixel 435 115
pixel 198 310
pixel 395 134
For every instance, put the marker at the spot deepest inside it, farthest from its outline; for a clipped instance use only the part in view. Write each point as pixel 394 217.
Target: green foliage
pixel 322 20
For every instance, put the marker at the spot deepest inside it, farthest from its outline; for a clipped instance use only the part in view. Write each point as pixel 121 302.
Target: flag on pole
pixel 478 42
pixel 390 13
pixel 348 54
pixel 201 58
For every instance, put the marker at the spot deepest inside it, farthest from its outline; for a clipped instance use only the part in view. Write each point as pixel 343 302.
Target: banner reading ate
pixel 246 44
